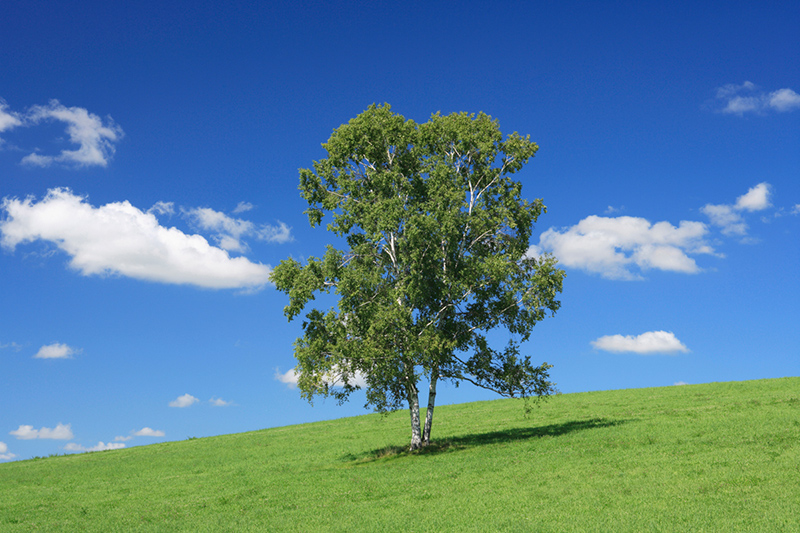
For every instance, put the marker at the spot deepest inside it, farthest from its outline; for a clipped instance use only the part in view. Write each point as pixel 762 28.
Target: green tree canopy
pixel 437 233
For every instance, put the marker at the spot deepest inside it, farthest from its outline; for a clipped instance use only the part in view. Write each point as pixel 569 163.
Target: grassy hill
pixel 715 457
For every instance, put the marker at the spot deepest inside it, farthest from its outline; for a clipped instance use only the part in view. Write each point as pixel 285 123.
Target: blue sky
pixel 148 177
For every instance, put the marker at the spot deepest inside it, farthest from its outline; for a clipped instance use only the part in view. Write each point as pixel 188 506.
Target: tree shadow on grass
pixel 472 440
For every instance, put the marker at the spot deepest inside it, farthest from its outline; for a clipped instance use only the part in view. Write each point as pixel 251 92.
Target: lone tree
pixel 437 234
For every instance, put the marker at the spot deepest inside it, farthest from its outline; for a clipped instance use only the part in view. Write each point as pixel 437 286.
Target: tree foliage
pixel 437 234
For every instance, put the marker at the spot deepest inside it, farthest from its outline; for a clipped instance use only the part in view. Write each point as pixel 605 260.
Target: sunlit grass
pixel 717 457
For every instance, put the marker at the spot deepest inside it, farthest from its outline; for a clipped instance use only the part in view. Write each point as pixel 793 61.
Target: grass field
pixel 715 457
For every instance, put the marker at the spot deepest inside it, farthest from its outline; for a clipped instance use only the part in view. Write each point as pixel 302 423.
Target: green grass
pixel 716 457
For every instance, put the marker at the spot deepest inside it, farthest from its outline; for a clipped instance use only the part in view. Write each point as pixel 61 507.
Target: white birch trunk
pixel 413 407
pixel 426 435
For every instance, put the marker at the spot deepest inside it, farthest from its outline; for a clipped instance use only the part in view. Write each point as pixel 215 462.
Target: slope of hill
pixel 715 457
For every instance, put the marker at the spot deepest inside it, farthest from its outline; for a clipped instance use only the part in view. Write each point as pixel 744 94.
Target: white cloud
pixel 242 207
pixel 644 344
pixel 784 100
pixel 148 432
pixel 183 401
pixel 219 402
pixel 611 247
pixel 729 218
pixel 123 439
pixel 4 453
pixel 796 209
pixel 95 138
pixel 8 119
pixel 290 378
pixel 101 446
pixel 118 238
pixel 229 231
pixel 56 351
pixel 756 198
pixel 60 432
pixel 747 98
pixel 679 383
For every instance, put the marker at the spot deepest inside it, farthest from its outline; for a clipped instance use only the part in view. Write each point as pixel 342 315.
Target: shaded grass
pixel 716 457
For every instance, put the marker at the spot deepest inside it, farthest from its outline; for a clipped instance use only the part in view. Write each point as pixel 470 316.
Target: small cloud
pixel 219 402
pixel 644 344
pixel 101 446
pixel 5 455
pixel 183 401
pixel 755 199
pixel 242 207
pixel 610 210
pixel 60 432
pixel 8 119
pixel 123 439
pixel 289 377
pixel 729 218
pixel 796 210
pixel 148 432
pixel 679 383
pixel 56 351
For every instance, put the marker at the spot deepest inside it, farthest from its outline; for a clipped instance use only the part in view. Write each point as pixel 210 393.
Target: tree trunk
pixel 426 435
pixel 413 407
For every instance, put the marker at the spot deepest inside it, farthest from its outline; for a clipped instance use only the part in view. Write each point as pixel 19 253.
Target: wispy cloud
pixel 60 432
pixel 118 238
pixel 728 217
pixel 5 455
pixel 229 232
pixel 242 207
pixel 94 136
pixel 648 343
pixel 11 345
pixel 56 351
pixel 219 402
pixel 184 401
pixel 748 98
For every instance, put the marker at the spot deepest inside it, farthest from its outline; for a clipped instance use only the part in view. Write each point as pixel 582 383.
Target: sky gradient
pixel 149 160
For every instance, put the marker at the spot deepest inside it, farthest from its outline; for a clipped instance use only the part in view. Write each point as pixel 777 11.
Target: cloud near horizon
pixel 5 455
pixel 648 343
pixel 119 239
pixel 60 432
pixel 101 446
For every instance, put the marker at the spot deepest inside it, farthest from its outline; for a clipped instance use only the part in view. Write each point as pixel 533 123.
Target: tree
pixel 437 237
